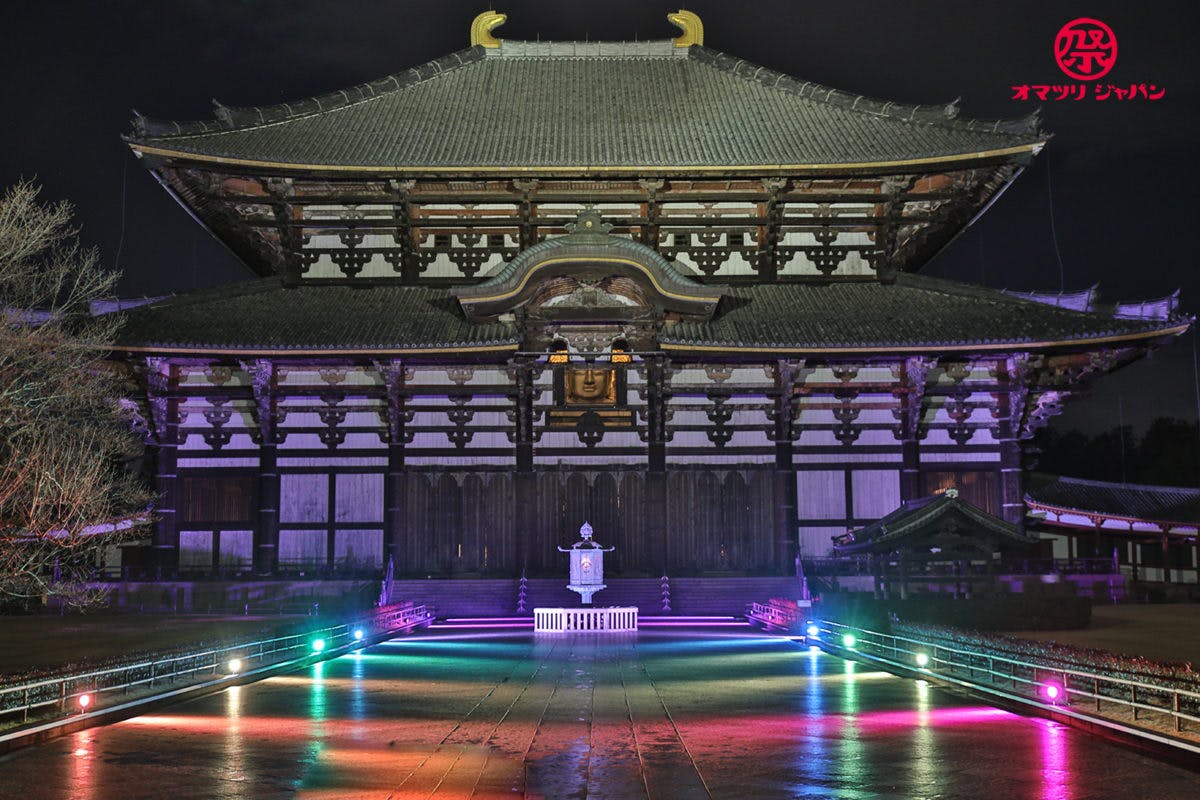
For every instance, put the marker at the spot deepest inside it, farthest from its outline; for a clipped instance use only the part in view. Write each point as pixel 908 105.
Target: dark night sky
pixel 1123 176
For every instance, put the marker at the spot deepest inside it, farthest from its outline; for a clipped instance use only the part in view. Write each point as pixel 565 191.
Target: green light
pixel 848 641
pixel 922 660
pixel 318 645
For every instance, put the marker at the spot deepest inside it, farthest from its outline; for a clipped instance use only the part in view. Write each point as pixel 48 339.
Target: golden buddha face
pixel 589 386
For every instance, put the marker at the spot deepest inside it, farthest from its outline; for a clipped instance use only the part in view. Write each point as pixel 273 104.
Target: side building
pixel 649 285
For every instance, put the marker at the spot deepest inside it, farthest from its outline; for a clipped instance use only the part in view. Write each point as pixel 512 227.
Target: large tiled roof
pixel 264 316
pixel 573 104
pixel 914 312
pixel 1127 500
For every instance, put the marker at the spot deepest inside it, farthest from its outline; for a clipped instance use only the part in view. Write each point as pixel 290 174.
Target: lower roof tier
pixel 1076 502
pixel 914 314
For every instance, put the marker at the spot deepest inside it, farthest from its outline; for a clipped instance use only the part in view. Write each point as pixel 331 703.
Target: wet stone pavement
pixel 682 715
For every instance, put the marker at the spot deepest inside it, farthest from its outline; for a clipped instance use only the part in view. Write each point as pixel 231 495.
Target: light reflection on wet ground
pixel 659 715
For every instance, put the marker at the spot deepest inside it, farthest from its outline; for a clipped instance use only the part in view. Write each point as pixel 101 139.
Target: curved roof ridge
pixel 1097 309
pixel 1122 484
pixel 945 114
pixel 229 118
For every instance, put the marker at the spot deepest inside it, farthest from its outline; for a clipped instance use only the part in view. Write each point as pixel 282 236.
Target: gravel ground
pixel 1168 632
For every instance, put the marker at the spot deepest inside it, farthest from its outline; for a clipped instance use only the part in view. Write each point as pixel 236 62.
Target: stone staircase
pixel 644 593
pixel 466 597
pixel 480 597
pixel 726 596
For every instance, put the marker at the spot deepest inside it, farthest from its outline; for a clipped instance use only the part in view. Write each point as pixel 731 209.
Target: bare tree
pixel 64 489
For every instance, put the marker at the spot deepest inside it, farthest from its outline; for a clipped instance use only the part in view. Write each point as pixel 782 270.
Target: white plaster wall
pixel 303 497
pixel 195 549
pixel 237 549
pixel 304 547
pixel 818 542
pixel 821 494
pixel 358 497
pixel 358 548
pixel 876 492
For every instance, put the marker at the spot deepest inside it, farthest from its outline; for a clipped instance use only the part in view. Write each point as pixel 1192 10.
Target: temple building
pixel 644 284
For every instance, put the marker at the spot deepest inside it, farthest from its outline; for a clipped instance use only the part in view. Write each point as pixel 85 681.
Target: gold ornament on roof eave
pixel 690 25
pixel 482 27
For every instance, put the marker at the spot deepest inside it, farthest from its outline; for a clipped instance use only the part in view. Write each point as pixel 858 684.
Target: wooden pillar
pixel 166 531
pixel 266 531
pixel 912 398
pixel 910 469
pixel 1166 556
pixel 1011 411
pixel 395 488
pixel 266 539
pixel 395 478
pixel 785 497
pixel 1196 556
pixel 656 462
pixel 164 420
pixel 524 479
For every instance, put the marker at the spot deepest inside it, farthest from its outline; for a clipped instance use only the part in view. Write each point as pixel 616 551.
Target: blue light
pixel 812 630
pixel 358 634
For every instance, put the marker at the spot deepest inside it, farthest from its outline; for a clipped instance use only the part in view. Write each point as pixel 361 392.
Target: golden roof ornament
pixel 482 27
pixel 690 25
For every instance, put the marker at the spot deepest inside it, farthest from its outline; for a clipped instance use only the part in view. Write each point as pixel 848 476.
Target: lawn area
pixel 49 641
pixel 1167 632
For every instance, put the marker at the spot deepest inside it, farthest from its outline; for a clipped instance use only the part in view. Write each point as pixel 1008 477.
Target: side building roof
pixel 914 314
pixel 1127 502
pixel 587 106
pixel 924 516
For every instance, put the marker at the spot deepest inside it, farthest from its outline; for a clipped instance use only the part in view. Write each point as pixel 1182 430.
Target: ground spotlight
pixel 922 660
pixel 234 666
pixel 848 641
pixel 85 700
pixel 358 634
pixel 318 645
pixel 812 630
pixel 1052 691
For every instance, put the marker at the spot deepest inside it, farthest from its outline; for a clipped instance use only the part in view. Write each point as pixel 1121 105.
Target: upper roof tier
pixel 594 107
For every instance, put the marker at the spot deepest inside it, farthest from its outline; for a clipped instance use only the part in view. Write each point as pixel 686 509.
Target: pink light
pixel 1052 691
pixel 693 624
pixel 478 625
pixel 85 700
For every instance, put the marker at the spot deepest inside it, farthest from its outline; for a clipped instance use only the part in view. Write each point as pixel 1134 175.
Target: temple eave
pixel 699 168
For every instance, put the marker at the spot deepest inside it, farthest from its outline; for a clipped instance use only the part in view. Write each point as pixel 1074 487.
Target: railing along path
pixel 1070 686
pixel 18 702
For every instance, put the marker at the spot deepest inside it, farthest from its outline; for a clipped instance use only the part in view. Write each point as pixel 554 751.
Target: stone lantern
pixel 587 564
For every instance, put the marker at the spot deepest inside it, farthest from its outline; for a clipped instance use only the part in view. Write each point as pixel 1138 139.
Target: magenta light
pixel 478 625
pixel 1052 691
pixel 691 624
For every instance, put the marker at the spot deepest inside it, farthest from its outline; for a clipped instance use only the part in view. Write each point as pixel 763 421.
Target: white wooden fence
pixel 555 620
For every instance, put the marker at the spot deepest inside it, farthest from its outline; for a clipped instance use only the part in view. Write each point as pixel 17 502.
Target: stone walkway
pixel 690 714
